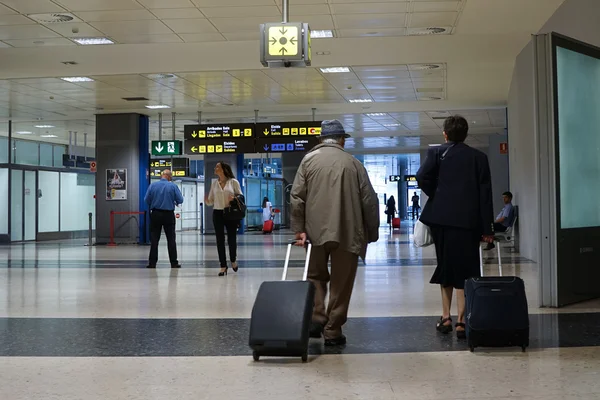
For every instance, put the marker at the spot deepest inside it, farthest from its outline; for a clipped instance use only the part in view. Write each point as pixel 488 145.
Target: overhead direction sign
pixel 286 144
pixel 278 129
pixel 218 131
pixel 166 147
pixel 284 40
pixel 180 166
pixel 219 146
pixel 285 44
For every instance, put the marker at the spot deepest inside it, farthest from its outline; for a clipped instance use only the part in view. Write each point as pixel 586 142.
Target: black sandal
pixel 445 329
pixel 462 334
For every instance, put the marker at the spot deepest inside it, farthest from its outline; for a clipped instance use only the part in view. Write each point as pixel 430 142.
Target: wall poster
pixel 116 184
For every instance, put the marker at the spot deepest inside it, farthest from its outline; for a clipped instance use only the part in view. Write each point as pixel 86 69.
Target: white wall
pixel 521 140
pixel 49 203
pixel 577 19
pixel 75 203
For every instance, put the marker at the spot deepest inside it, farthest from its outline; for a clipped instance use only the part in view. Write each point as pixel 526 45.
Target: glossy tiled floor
pixel 93 323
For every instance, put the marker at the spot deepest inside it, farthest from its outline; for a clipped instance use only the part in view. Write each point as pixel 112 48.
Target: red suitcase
pixel 396 223
pixel 268 226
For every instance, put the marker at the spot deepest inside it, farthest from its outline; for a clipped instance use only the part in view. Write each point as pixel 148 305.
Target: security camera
pixel 75 29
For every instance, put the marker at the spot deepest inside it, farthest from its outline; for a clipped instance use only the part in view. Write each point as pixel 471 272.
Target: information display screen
pixel 180 166
pixel 285 144
pixel 222 131
pixel 219 146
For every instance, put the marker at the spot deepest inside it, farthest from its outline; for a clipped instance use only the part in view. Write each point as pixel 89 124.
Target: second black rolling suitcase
pixel 281 315
pixel 497 314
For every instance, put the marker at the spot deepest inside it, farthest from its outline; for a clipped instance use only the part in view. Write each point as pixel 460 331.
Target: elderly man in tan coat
pixel 335 207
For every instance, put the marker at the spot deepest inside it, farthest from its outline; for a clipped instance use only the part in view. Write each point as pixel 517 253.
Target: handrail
pixel 112 222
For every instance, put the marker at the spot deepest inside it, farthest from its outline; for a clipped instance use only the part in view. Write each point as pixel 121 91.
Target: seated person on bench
pixel 506 218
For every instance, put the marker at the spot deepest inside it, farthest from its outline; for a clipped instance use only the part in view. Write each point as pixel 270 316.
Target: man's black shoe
pixel 176 266
pixel 150 266
pixel 340 341
pixel 316 330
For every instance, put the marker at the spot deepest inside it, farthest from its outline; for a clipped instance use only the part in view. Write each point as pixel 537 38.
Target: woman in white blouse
pixel 222 191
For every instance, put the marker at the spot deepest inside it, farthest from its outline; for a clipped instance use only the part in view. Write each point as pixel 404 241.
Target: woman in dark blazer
pixel 459 212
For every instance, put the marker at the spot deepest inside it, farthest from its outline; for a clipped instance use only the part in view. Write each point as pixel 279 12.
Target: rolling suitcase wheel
pixel 524 348
pixel 304 357
pixel 255 356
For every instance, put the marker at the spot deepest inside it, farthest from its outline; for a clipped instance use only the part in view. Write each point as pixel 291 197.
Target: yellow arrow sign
pixel 283 40
pixel 194 149
pixel 194 134
pixel 266 132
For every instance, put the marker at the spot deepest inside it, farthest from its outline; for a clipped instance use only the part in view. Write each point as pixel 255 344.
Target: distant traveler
pixel 390 209
pixel 222 192
pixel 415 205
pixel 335 207
pixel 505 219
pixel 162 197
pixel 267 209
pixel 459 212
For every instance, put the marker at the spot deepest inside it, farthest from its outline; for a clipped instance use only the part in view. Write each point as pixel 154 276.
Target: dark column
pixel 122 143
pixel 402 188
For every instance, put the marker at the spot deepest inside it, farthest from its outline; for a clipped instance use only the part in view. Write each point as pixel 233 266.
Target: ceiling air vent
pixel 429 90
pixel 135 99
pixel 424 67
pixel 429 98
pixel 53 18
pixel 429 31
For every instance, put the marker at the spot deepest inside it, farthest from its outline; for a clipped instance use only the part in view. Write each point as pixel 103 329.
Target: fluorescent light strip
pixel 376 114
pixel 76 79
pixel 44 126
pixel 48 136
pixel 434 145
pixel 335 70
pixel 157 107
pixel 24 133
pixel 92 41
pixel 360 100
pixel 322 34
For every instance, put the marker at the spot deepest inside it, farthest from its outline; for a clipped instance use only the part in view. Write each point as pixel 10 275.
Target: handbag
pixel 236 210
pixel 422 235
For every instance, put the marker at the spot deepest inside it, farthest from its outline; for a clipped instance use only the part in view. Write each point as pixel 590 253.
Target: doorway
pixel 24 193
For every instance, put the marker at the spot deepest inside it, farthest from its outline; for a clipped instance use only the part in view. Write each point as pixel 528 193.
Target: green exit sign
pixel 166 147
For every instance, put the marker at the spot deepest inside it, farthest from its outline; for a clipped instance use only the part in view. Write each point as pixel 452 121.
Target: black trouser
pixel 415 211
pixel 498 227
pixel 160 219
pixel 220 225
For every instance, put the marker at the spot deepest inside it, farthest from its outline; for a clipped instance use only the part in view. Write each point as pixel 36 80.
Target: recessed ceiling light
pixel 376 114
pixel 24 133
pixel 322 34
pixel 92 41
pixel 157 107
pixel 360 100
pixel 391 125
pixel 334 70
pixel 434 145
pixel 44 126
pixel 75 79
pixel 48 136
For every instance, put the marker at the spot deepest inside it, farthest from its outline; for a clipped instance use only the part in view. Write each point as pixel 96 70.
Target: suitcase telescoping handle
pixel 287 259
pixel 481 263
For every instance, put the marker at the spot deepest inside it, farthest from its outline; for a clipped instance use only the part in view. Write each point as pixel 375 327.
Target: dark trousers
pixel 499 227
pixel 221 225
pixel 415 211
pixel 159 220
pixel 341 283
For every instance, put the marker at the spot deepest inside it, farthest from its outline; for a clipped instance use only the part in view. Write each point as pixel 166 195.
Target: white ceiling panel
pixel 367 21
pixel 190 25
pixel 202 37
pixel 33 6
pixel 231 3
pixel 297 11
pixel 40 42
pixel 242 36
pixel 6 11
pixel 132 28
pixel 144 39
pixel 379 32
pixel 176 13
pixel 370 8
pixel 238 24
pixel 85 30
pixel 232 12
pixel 26 32
pixel 123 15
pixel 166 3
pixel 433 6
pixel 418 20
pixel 100 5
pixel 15 20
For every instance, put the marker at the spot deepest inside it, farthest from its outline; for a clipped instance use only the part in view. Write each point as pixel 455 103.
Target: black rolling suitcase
pixel 497 312
pixel 282 314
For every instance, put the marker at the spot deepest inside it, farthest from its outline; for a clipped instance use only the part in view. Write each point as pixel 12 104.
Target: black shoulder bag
pixel 236 210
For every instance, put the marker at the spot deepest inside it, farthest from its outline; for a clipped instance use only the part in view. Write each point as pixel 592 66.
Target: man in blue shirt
pixel 162 197
pixel 505 219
